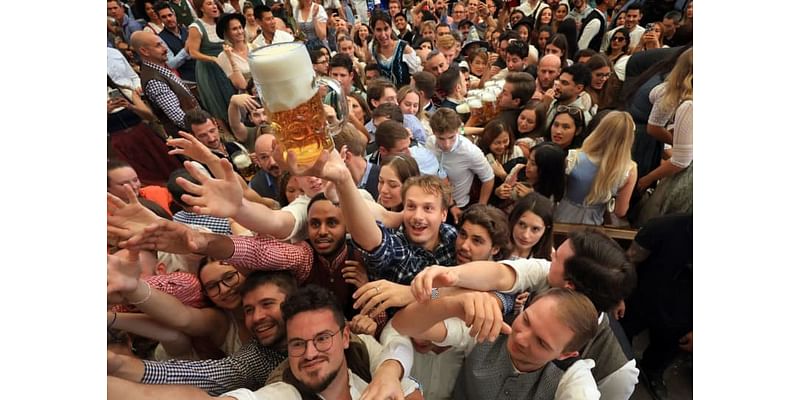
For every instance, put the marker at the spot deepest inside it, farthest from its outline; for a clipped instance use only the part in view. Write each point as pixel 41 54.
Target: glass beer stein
pixel 293 96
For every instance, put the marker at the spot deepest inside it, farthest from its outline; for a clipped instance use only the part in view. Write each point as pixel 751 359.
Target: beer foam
pixel 241 160
pixel 284 75
pixel 474 102
pixel 489 96
pixel 462 108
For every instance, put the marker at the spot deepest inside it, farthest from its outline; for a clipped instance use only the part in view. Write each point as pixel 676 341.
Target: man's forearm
pixel 425 321
pixel 485 276
pixel 219 247
pixel 486 191
pixel 260 218
pixel 120 389
pixel 364 231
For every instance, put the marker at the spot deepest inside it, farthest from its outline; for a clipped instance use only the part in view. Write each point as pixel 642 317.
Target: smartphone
pixel 115 94
pixel 649 27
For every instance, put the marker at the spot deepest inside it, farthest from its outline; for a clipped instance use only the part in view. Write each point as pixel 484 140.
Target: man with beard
pixel 326 258
pixel 265 182
pixel 569 91
pixel 547 72
pixel 245 104
pixel 331 367
pixel 264 295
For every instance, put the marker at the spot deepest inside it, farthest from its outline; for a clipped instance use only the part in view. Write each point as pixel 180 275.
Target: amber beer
pixel 286 83
pixel 303 130
pixel 489 100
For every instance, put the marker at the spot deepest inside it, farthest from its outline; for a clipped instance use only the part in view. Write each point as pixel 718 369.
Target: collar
pixel 338 261
pixel 364 178
pixel 159 68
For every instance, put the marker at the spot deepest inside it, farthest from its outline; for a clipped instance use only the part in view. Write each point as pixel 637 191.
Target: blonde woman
pixel 600 170
pixel 672 101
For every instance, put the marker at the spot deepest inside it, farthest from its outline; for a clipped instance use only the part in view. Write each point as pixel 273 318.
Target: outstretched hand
pixel 432 277
pixel 190 147
pixel 168 236
pixel 122 275
pixel 127 219
pixel 375 297
pixel 330 164
pixel 217 197
pixel 483 315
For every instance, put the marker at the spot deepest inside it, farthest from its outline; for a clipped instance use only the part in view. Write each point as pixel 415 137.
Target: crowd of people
pixel 418 257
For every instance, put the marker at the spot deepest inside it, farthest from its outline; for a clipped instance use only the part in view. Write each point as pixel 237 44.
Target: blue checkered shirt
pixel 247 368
pixel 399 261
pixel 164 98
pixel 217 225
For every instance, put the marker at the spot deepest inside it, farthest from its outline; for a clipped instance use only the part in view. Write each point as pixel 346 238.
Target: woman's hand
pixel 117 102
pixel 503 191
pixel 375 297
pixel 498 169
pixel 521 189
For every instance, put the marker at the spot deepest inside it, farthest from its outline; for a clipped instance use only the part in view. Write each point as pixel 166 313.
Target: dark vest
pixel 176 44
pixel 594 44
pixel 329 275
pixel 182 12
pixel 186 99
pixel 488 374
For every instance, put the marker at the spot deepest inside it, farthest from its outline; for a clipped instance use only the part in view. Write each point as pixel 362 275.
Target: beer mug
pixel 244 165
pixel 489 100
pixel 292 97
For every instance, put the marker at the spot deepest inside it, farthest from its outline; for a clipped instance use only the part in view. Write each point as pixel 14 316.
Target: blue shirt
pixel 409 121
pixel 129 25
pixel 398 260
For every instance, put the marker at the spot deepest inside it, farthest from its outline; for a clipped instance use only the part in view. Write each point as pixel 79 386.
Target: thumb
pixel 505 329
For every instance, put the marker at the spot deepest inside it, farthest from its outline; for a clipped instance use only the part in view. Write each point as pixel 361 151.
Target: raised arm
pixel 224 198
pixel 479 310
pixel 476 275
pixel 238 103
pixel 329 166
pixel 175 343
pixel 121 389
pixel 123 279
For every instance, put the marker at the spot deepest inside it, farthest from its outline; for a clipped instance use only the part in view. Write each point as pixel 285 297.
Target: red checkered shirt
pixel 183 285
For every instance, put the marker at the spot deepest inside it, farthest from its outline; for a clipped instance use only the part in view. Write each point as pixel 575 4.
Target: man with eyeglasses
pixel 568 91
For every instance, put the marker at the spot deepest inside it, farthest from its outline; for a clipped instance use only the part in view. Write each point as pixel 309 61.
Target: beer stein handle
pixel 338 101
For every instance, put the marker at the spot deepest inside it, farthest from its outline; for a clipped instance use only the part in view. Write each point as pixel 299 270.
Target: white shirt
pixel 463 161
pixel 527 9
pixel 120 70
pixel 279 37
pixel 635 35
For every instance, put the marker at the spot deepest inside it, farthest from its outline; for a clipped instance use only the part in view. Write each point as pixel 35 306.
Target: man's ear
pixel 161 268
pixel 581 87
pixel 346 336
pixel 565 356
pixel 569 285
pixel 495 250
pixel 516 102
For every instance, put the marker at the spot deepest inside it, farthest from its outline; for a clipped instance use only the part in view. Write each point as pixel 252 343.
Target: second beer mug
pixel 290 91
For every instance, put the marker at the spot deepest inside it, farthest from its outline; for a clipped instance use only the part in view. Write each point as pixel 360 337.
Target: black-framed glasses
pixel 229 279
pixel 322 342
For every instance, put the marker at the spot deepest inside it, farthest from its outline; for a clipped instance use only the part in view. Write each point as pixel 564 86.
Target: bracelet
pixel 149 292
pixel 111 325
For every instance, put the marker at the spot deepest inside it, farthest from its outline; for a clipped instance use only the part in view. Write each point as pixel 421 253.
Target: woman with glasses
pixel 222 325
pixel 568 129
pixel 600 174
pixel 617 51
pixel 605 87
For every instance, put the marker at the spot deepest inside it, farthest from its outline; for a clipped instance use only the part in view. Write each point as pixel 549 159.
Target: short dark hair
pixel 282 279
pixel 312 298
pixel 388 110
pixel 196 116
pixel 160 6
pixel 371 67
pixel 375 90
pixel 425 82
pixel 634 6
pixel 400 14
pixel 507 35
pixel 599 269
pixel 523 86
pixel 341 60
pixel 518 48
pixel 494 221
pixel 673 15
pixel 448 80
pixel 581 74
pixel 175 190
pixel 388 133
pixel 587 52
pixel 259 10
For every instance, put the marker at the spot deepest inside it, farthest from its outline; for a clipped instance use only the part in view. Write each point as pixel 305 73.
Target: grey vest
pixel 605 350
pixel 488 374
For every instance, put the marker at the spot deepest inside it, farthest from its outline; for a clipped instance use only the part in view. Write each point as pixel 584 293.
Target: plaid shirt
pixel 160 94
pixel 183 285
pixel 399 261
pixel 268 254
pixel 217 225
pixel 247 368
